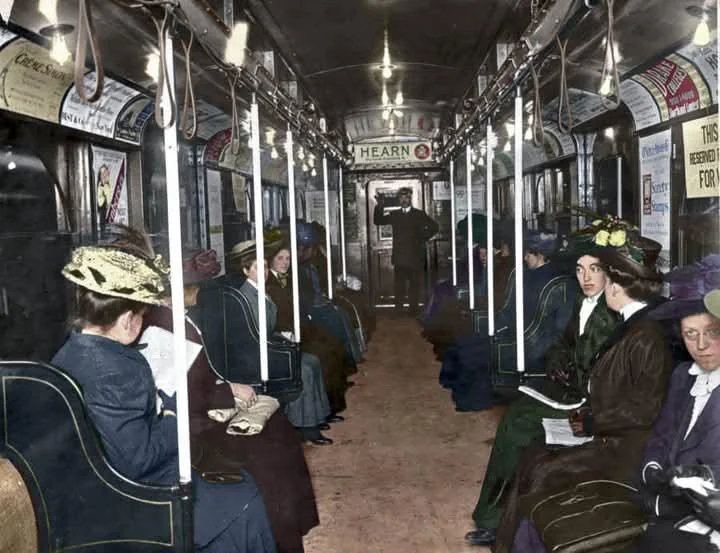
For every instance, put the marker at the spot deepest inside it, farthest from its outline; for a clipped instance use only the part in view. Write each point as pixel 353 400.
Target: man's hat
pixel 405 191
pixel 243 250
pixel 540 242
pixel 479 231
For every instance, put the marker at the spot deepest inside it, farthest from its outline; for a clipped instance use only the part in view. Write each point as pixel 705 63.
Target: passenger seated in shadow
pixel 310 410
pixel 314 339
pixel 314 301
pixel 115 286
pixel 274 457
pixel 465 367
pixel 446 317
pixel 567 362
pixel 626 387
pixel 687 431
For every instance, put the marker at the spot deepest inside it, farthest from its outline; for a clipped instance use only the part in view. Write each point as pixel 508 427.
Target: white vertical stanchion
pixel 471 260
pixel 343 253
pixel 453 246
pixel 172 173
pixel 619 187
pixel 519 273
pixel 292 208
pixel 490 237
pixel 259 244
pixel 328 252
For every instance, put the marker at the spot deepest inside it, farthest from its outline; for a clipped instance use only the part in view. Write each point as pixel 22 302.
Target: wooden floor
pixel 405 470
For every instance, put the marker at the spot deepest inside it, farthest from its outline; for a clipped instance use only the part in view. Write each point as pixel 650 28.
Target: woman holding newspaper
pixel 626 383
pixel 115 286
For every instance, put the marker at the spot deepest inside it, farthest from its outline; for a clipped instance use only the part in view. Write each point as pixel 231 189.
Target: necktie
pixel 283 279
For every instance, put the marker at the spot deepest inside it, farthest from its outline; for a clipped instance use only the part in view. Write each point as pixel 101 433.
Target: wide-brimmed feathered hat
pixel 116 272
pixel 688 287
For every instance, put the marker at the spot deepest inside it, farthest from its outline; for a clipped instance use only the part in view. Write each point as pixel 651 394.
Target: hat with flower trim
pixel 115 272
pixel 688 286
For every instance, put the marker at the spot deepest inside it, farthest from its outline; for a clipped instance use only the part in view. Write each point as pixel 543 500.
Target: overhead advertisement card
pixel 655 154
pixel 96 117
pixel 702 157
pixel 391 153
pixel 31 82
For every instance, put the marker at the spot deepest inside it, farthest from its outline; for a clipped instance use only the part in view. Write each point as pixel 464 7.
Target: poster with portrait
pixel 655 170
pixel 109 180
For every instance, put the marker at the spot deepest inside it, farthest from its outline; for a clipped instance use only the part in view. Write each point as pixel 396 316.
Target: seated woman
pixel 567 360
pixel 115 288
pixel 443 321
pixel 274 457
pixel 313 299
pixel 688 428
pixel 309 411
pixel 465 369
pixel 314 339
pixel 626 384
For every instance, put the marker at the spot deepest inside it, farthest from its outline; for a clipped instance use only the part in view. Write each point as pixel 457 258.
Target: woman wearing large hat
pixel 274 457
pixel 114 288
pixel 625 388
pixel 688 428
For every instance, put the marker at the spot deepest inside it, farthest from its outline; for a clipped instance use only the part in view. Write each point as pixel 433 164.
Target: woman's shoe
pixel 324 426
pixel 314 436
pixel 481 536
pixel 334 418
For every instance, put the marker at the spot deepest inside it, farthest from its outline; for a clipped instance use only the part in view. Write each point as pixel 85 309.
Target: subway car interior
pixel 487 234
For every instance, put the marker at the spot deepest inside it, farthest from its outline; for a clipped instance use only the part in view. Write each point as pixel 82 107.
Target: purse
pixel 595 515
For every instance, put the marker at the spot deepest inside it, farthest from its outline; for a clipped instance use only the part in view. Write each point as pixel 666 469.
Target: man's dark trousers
pixel 407 283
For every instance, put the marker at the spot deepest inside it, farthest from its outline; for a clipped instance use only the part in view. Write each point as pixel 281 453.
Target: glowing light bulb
pixel 274 154
pixel 702 33
pixel 301 153
pixel 398 113
pixel 508 147
pixel 59 50
pixel 313 173
pixel 311 161
pixel 385 98
pixel 386 114
pixel 152 67
pixel 510 128
pixel 305 167
pixel 399 98
pixel 11 166
pixel 386 53
pixel 528 134
pixel 270 136
pixel 386 72
pixel 606 87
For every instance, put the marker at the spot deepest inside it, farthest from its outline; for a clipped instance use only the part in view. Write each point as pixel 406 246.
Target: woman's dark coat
pixel 120 395
pixel 628 382
pixel 274 457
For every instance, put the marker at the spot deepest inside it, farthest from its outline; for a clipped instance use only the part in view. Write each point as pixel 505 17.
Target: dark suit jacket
pixel 410 232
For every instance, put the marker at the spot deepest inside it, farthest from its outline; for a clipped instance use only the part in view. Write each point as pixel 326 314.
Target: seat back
pixel 232 338
pixel 349 307
pixel 554 309
pixel 81 503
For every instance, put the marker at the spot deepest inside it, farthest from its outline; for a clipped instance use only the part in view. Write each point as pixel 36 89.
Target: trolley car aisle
pixel 405 469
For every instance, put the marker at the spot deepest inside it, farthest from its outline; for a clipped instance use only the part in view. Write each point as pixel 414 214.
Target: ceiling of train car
pixel 436 46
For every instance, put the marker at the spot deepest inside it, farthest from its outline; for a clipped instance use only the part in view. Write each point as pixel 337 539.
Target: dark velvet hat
pixel 688 286
pixel 540 242
pixel 199 265
pixel 479 230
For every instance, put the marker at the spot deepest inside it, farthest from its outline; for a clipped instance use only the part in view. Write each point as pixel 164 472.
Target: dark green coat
pixel 522 422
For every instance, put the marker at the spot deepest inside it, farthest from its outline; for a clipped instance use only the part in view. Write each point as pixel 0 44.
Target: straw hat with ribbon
pixel 119 273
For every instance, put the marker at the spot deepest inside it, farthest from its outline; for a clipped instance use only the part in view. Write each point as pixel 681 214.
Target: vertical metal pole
pixel 453 246
pixel 172 174
pixel 471 260
pixel 343 253
pixel 490 237
pixel 519 189
pixel 327 228
pixel 260 245
pixel 619 187
pixel 293 234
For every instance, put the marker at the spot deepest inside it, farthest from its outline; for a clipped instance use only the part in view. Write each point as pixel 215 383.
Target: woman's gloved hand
pixel 707 507
pixel 169 403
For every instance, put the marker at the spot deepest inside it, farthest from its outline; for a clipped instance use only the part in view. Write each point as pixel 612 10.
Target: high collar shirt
pixel 586 309
pixel 631 308
pixel 705 383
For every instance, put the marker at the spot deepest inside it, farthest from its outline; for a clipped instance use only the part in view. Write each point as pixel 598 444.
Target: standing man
pixel 412 228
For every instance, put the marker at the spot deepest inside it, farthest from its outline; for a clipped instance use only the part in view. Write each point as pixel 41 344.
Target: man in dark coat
pixel 411 228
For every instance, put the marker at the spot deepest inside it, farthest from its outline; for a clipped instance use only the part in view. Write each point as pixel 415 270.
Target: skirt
pixel 312 407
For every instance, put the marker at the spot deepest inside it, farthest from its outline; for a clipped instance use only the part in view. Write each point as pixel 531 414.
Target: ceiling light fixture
pixel 274 153
pixel 58 47
pixel 386 66
pixel 48 8
pixel 313 173
pixel 702 32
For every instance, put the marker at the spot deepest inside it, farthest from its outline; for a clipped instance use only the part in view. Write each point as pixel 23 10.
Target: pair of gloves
pixel 662 499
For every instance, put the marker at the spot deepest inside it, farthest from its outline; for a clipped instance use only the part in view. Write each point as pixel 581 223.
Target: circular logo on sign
pixel 422 152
